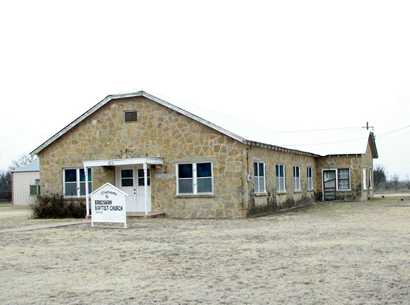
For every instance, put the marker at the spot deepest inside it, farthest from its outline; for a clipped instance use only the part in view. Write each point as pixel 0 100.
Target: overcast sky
pixel 259 67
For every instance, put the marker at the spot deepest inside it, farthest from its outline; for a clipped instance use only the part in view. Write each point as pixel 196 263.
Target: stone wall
pixel 158 132
pixel 271 158
pixel 356 163
pixel 161 132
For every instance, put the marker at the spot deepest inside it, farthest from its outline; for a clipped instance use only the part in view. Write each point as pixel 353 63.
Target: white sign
pixel 108 204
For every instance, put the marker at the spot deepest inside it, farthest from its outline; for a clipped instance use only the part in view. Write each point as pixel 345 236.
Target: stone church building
pixel 171 161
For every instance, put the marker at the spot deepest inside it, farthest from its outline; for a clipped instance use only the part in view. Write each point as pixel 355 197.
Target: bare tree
pixel 379 176
pixel 395 182
pixel 23 160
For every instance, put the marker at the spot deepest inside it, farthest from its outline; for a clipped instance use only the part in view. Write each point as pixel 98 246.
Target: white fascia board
pixel 120 162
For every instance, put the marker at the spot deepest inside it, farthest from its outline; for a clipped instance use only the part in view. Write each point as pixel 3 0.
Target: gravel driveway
pixel 340 253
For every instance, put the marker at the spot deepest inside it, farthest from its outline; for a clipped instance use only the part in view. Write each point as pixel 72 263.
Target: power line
pixel 314 130
pixel 355 139
pixel 394 131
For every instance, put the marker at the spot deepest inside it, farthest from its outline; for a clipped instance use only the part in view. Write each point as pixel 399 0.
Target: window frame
pixel 296 190
pixel 130 111
pixel 35 187
pixel 349 189
pixel 194 179
pixel 364 178
pixel 78 182
pixel 258 162
pixel 278 190
pixel 309 179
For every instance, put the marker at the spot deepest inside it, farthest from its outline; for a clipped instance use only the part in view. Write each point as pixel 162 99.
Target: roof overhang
pixel 120 162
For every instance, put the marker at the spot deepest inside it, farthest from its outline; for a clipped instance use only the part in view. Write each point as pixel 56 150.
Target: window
pixel 364 179
pixel 127 177
pixel 74 182
pixel 194 178
pixel 130 116
pixel 280 178
pixel 259 177
pixel 296 179
pixel 343 178
pixel 370 178
pixel 309 179
pixel 141 181
pixel 34 190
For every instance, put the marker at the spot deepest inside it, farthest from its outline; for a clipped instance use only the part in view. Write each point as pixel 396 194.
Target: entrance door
pixel 131 180
pixel 329 185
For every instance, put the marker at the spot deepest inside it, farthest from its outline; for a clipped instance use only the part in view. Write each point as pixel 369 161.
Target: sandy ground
pixel 18 217
pixel 340 253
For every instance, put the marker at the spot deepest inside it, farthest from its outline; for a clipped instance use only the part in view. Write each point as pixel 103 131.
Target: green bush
pixel 54 206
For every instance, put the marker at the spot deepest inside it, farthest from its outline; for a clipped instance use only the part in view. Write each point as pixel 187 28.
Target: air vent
pixel 130 116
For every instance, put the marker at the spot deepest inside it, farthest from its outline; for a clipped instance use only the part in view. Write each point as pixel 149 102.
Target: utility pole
pixel 368 127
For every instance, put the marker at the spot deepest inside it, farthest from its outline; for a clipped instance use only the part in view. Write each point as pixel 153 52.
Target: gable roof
pixel 157 100
pixel 188 114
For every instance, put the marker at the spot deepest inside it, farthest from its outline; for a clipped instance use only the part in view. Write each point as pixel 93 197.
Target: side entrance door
pixel 329 185
pixel 130 179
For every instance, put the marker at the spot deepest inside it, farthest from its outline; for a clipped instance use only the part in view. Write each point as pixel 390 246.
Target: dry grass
pixel 344 253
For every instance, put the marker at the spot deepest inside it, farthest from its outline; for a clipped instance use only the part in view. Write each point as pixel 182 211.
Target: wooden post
pixel 145 189
pixel 87 199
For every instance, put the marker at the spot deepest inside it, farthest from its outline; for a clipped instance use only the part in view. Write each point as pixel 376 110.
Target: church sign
pixel 108 205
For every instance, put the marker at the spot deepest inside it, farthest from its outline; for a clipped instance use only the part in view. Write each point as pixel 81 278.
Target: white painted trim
pixel 294 179
pixel 364 178
pixel 78 182
pixel 350 180
pixel 284 179
pixel 121 162
pixel 264 175
pixel 311 179
pixel 194 180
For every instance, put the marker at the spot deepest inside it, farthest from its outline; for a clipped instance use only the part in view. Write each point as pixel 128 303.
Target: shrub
pixel 54 206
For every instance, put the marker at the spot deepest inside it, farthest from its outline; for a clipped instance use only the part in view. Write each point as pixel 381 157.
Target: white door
pixel 130 179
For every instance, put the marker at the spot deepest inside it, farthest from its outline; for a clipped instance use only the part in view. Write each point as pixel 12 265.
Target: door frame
pixel 323 181
pixel 135 168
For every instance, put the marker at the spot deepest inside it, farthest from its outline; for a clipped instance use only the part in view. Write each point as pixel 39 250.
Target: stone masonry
pixel 162 132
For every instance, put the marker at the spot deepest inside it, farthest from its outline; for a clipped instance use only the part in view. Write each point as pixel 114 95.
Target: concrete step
pixel 153 214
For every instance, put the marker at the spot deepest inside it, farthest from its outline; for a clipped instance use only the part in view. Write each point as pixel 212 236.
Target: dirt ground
pixel 339 253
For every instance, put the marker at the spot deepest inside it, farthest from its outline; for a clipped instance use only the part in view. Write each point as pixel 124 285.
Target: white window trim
pixel 371 178
pixel 194 179
pixel 77 182
pixel 264 175
pixel 311 188
pixel 364 179
pixel 284 179
pixel 299 184
pixel 350 180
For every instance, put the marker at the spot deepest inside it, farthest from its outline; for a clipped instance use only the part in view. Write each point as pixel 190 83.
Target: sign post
pixel 108 205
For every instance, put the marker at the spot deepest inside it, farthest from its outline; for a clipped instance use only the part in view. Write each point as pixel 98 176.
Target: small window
pixel 280 178
pixel 127 177
pixel 34 190
pixel 130 116
pixel 309 175
pixel 141 181
pixel 296 179
pixel 259 177
pixel 343 178
pixel 195 178
pixel 74 182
